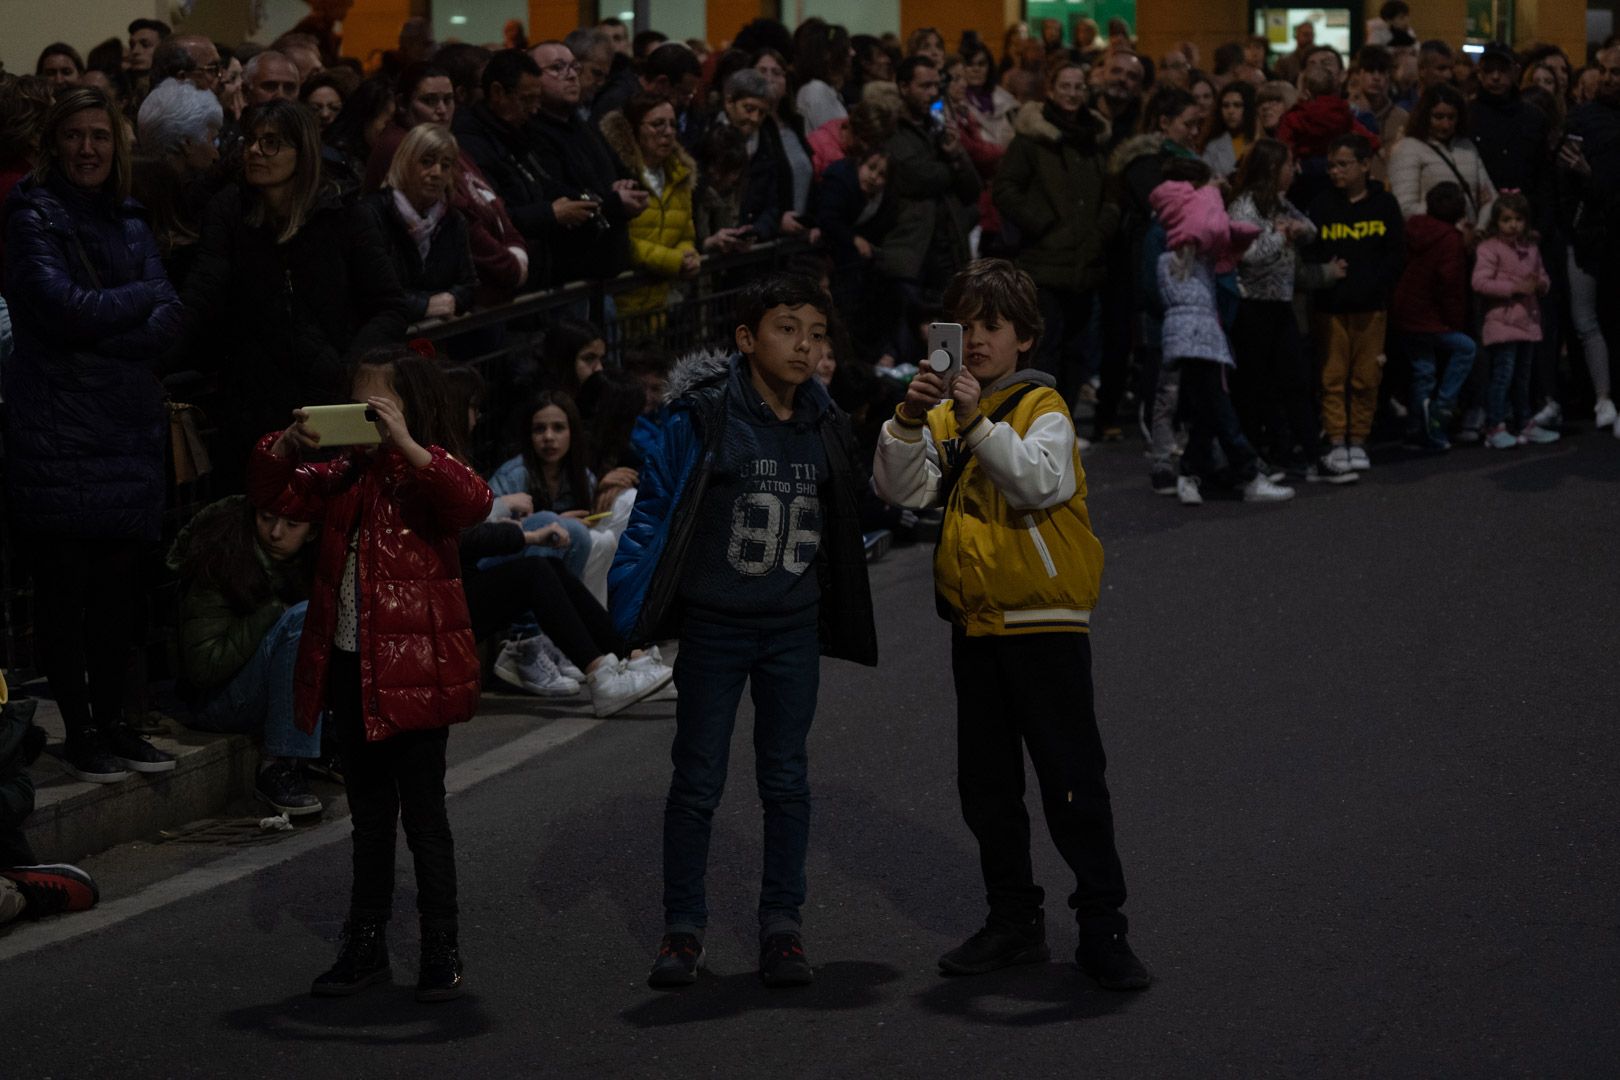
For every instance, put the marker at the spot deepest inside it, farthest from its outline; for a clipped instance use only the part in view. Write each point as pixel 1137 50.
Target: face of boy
pixel 787 345
pixel 1345 171
pixel 990 349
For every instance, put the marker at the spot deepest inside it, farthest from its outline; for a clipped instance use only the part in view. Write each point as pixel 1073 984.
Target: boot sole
pixel 443 993
pixel 290 811
pixel 147 766
pixel 1037 954
pixel 350 989
pixel 98 777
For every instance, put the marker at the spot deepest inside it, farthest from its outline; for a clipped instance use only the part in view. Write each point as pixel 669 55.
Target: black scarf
pixel 1078 129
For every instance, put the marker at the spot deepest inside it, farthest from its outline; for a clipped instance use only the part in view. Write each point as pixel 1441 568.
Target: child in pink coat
pixel 1510 279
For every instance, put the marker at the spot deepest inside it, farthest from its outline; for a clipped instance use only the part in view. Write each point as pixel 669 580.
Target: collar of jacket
pixel 615 129
pixel 58 201
pixel 1017 377
pixel 810 402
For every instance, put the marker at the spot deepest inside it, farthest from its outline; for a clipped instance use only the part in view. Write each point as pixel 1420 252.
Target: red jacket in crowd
pixel 1310 127
pixel 1432 297
pixel 418 661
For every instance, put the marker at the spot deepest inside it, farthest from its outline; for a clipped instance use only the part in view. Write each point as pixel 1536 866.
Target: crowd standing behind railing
pixel 1268 253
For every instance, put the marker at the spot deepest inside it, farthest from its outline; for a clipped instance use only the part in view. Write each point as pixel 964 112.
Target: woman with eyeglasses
pixel 427 239
pixel 289 283
pixel 425 94
pixel 91 311
pixel 663 237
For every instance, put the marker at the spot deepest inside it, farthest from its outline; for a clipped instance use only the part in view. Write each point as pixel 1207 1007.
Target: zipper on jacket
pixel 1040 545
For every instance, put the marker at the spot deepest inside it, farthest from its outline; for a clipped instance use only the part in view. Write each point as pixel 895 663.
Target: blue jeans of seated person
pixel 573 557
pixel 1420 350
pixel 1507 396
pixel 260 697
pixel 783 670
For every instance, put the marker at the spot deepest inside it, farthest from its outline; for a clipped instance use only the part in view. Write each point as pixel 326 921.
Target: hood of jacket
pixel 700 367
pixel 615 128
pixel 1424 232
pixel 1031 122
pixel 1133 149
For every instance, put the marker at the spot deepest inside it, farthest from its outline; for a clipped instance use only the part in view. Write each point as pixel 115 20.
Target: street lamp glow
pixel 458 20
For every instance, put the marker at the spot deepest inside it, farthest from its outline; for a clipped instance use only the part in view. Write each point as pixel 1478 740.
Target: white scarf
pixel 421 227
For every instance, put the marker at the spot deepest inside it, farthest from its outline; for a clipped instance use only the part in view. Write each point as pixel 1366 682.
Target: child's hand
pixel 965 392
pixel 925 391
pixel 519 504
pixel 391 422
pixel 297 438
pixel 1337 269
pixel 1530 285
pixel 553 535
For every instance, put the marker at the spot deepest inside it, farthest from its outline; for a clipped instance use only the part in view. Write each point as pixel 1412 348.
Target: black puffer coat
pixel 449 263
pixel 92 311
pixel 280 321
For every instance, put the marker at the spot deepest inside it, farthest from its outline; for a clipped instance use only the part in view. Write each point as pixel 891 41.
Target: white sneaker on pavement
pixel 1261 489
pixel 1606 414
pixel 1551 415
pixel 1359 460
pixel 1187 492
pixel 555 655
pixel 524 664
pixel 615 685
pixel 1338 458
pixel 653 660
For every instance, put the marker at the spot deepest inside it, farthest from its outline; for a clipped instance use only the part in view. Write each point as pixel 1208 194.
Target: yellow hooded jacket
pixel 1016 552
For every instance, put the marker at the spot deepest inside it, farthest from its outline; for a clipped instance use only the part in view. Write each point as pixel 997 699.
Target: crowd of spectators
pixel 1257 257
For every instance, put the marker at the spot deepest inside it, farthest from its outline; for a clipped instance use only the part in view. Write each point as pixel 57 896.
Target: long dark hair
pixel 564 338
pixel 222 554
pixel 296 125
pixel 1215 127
pixel 1438 94
pixel 1165 102
pixel 425 393
pixel 573 463
pixel 1258 177
pixel 618 407
pixel 347 133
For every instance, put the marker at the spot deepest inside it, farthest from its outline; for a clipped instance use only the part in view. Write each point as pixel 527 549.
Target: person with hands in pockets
pixel 1016 573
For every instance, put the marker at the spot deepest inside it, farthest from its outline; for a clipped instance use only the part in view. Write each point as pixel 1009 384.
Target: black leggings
pixel 562 605
pixel 86 595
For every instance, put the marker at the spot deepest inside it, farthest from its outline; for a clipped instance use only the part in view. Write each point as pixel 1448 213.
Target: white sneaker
pixel 1338 458
pixel 1359 460
pixel 1187 491
pixel 522 664
pixel 555 655
pixel 653 660
pixel 1261 489
pixel 1606 415
pixel 1551 416
pixel 615 685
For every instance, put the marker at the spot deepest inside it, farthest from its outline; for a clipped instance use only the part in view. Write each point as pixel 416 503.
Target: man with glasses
pixel 187 56
pixel 670 71
pixel 578 164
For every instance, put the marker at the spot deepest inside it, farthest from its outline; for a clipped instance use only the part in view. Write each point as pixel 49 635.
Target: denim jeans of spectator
pixel 259 698
pixel 1421 350
pixel 783 670
pixel 574 556
pixel 1507 399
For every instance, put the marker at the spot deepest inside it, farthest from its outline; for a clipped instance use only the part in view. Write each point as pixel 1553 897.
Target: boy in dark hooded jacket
pixel 1430 312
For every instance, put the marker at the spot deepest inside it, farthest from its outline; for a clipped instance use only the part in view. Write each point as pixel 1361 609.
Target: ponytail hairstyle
pixel 425 393
pixel 1516 202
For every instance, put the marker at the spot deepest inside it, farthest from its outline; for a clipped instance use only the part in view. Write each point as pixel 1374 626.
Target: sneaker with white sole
pixel 522 664
pixel 653 660
pixel 1326 471
pixel 1187 492
pixel 555 655
pixel 1499 438
pixel 1534 435
pixel 1606 414
pixel 1473 426
pixel 1338 458
pixel 1359 460
pixel 615 686
pixel 1263 489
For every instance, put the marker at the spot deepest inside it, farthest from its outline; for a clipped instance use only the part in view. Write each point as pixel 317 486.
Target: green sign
pixel 1068 11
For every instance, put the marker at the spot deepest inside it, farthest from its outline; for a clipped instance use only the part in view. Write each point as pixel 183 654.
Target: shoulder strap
pixel 1468 191
pixel 997 415
pixel 84 258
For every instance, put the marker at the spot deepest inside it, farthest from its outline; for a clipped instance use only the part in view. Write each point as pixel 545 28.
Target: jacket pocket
pixel 1040 545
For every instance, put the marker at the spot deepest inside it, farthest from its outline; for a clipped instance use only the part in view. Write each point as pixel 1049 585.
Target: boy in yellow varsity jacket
pixel 1016 572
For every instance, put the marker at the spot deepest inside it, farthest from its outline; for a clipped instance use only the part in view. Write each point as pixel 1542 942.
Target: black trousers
pixel 86 596
pixel 562 605
pixel 1035 690
pixel 398 779
pixel 1061 352
pixel 1273 385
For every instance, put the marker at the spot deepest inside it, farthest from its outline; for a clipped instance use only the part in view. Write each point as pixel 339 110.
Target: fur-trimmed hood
pixel 621 140
pixel 696 368
pixel 1137 146
pixel 1031 122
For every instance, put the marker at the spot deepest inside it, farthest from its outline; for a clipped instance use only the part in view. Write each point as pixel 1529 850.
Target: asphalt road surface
pixel 1364 757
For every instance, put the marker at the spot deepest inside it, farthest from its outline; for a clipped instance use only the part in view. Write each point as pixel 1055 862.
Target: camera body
pixel 598 220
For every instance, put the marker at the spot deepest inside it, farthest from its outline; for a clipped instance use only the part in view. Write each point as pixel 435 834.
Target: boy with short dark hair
pixel 1430 312
pixel 1359 223
pixel 745 542
pixel 1016 572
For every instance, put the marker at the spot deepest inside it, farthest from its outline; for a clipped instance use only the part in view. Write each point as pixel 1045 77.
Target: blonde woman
pixel 425 235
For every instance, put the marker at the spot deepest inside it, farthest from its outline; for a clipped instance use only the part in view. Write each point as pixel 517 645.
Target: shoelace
pixel 44 897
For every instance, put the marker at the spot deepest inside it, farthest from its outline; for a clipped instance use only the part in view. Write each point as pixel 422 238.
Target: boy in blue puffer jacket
pixel 745 542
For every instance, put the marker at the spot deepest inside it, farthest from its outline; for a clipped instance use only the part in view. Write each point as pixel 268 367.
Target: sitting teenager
pixel 244 578
pixel 426 238
pixel 547 483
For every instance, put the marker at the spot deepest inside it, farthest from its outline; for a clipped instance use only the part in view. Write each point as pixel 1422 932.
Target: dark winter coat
pixel 448 266
pixel 419 664
pixel 838 203
pixel 644 583
pixel 1512 136
pixel 767 191
pixel 931 188
pixel 509 163
pixel 1054 190
pixel 577 162
pixel 1432 297
pixel 91 312
pixel 1366 234
pixel 280 321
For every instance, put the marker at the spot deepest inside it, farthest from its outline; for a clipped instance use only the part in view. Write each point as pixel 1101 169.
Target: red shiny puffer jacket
pixel 418 660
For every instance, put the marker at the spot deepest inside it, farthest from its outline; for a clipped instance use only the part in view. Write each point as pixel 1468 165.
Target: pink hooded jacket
pixel 1197 216
pixel 1499 272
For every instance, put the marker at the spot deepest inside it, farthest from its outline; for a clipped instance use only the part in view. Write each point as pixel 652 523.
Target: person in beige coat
pixel 1436 149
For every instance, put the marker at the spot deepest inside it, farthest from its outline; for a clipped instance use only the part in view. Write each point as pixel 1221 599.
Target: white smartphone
pixel 344 425
pixel 944 356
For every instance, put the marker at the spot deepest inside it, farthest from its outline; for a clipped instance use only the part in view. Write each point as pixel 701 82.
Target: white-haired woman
pixel 179 129
pixel 426 236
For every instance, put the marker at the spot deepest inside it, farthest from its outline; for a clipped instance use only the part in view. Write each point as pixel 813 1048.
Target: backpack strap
pixel 949 480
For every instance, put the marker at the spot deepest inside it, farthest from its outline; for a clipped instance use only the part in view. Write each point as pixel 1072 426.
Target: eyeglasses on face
pixel 268 143
pixel 563 67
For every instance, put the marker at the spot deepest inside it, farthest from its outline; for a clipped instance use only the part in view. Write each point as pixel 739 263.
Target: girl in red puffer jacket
pixel 387 648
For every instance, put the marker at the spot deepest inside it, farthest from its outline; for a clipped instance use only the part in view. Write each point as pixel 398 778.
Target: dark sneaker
pixel 136 753
pixel 998 946
pixel 53 889
pixel 782 961
pixel 362 960
pixel 88 759
pixel 1111 962
pixel 439 978
pixel 679 958
pixel 1163 481
pixel 282 786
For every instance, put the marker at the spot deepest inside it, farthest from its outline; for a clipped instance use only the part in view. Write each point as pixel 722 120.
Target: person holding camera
pixel 1016 573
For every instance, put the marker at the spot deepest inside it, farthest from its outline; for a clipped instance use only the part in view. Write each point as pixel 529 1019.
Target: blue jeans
pixel 783 668
pixel 1420 350
pixel 1508 395
pixel 573 557
pixel 259 699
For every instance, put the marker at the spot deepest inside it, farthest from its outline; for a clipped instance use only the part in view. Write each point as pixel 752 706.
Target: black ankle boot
pixel 440 973
pixel 362 959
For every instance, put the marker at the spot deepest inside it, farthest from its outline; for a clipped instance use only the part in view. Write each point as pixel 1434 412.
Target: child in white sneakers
pixel 1510 280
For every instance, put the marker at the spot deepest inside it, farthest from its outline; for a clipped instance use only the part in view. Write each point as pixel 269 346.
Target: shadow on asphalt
pixel 382 1016
pixel 840 985
pixel 1030 996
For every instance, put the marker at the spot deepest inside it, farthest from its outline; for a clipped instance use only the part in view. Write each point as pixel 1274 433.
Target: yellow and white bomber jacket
pixel 1016 552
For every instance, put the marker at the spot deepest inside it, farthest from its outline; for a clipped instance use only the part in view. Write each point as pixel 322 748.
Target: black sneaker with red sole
pixel 680 955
